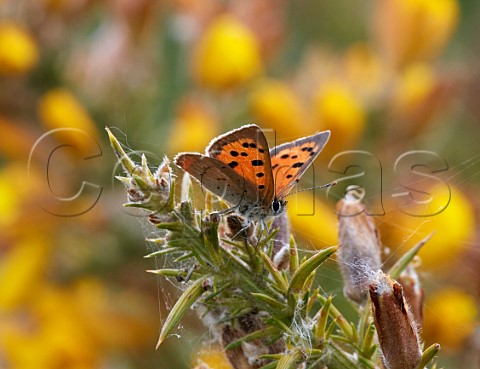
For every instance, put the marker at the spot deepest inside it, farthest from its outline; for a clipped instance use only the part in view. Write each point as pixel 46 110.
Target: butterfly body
pixel 239 167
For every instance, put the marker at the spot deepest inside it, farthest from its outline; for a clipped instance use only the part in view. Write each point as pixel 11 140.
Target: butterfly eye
pixel 276 206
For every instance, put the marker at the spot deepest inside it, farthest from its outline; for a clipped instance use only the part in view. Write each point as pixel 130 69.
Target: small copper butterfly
pixel 239 167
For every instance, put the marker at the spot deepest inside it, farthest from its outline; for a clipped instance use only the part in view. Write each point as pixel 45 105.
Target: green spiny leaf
pixel 306 268
pixel 322 319
pixel 277 276
pixel 273 303
pixel 428 355
pixel 189 296
pixel 403 262
pixel 127 164
pixel 293 256
pixel 288 361
pixel 261 333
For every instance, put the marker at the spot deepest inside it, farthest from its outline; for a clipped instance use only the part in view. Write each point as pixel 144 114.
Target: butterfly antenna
pixel 287 189
pixel 331 184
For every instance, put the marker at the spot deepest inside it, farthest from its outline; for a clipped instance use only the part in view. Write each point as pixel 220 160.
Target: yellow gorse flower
pixel 19 194
pixel 412 30
pixel 74 326
pixel 21 269
pixel 418 94
pixel 274 105
pixel 228 54
pixel 338 109
pixel 453 227
pixel 450 317
pixel 414 86
pixel 59 108
pixel 312 219
pixel 18 50
pixel 211 358
pixel 365 71
pixel 193 128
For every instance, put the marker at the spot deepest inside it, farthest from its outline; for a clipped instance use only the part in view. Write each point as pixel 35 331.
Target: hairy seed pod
pixel 396 329
pixel 359 252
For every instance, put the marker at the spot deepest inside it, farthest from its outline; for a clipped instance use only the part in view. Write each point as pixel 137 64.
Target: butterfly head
pixel 278 206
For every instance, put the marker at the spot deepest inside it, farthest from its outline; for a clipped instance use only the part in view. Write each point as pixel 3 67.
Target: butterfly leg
pixel 218 214
pixel 263 227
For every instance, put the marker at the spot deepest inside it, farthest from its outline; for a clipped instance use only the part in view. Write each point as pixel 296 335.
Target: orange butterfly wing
pixel 245 150
pixel 215 176
pixel 292 159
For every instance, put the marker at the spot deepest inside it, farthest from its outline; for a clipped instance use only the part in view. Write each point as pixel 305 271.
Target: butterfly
pixel 239 167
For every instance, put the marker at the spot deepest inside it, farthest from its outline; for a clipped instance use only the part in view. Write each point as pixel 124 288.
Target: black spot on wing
pixel 261 187
pixel 289 176
pixel 284 156
pixel 233 164
pixel 234 153
pixel 297 165
pixel 309 149
pixel 245 144
pixel 260 175
pixel 243 154
pixel 257 163
pixel 252 145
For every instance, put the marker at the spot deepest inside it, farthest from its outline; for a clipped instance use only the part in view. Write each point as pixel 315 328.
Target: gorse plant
pixel 260 297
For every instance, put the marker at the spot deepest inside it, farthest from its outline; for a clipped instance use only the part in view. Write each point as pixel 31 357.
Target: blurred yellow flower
pixel 211 358
pixel 56 337
pixel 313 220
pixel 227 55
pixel 9 209
pixel 450 317
pixel 454 227
pixel 16 139
pixel 411 30
pixel 194 127
pixel 337 108
pixel 125 324
pixel 22 268
pixel 18 51
pixel 364 71
pixel 415 84
pixel 19 192
pixel 417 96
pixel 274 105
pixel 75 326
pixel 59 108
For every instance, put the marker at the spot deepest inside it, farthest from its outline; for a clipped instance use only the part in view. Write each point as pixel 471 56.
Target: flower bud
pixel 413 293
pixel 396 329
pixel 147 190
pixel 359 251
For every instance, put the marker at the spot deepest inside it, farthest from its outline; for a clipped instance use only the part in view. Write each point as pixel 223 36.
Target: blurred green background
pixel 385 76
